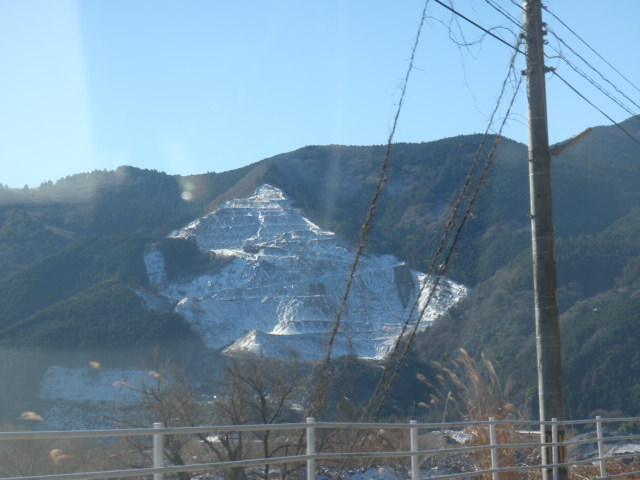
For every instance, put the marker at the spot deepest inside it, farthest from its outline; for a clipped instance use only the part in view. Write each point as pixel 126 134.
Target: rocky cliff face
pixel 279 280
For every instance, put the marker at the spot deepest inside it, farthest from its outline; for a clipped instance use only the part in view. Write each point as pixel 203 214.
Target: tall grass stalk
pixel 471 390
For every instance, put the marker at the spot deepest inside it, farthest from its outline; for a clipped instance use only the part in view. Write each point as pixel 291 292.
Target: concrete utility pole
pixel 549 361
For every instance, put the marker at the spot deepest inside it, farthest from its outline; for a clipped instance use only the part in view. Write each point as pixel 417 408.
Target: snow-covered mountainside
pixel 278 281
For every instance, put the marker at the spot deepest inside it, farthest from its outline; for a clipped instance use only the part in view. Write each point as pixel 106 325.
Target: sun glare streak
pixel 44 92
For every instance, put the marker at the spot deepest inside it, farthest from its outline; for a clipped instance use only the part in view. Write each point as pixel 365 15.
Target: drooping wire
pixel 465 43
pixel 556 73
pixel 485 30
pixel 387 379
pixel 323 381
pixel 584 42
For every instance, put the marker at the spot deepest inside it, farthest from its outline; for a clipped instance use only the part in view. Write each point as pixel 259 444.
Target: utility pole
pixel 547 317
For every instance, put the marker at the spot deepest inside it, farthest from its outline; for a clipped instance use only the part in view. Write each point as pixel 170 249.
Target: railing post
pixel 158 451
pixel 311 448
pixel 554 450
pixel 413 441
pixel 603 467
pixel 493 439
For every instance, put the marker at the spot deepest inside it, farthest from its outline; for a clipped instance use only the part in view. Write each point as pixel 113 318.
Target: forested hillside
pixel 71 252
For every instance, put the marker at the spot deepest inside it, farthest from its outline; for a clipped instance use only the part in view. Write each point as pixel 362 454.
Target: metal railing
pixel 492 448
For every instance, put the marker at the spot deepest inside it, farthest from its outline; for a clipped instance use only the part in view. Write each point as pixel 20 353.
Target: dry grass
pixel 471 390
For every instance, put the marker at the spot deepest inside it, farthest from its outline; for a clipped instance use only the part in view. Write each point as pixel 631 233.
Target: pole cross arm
pixel 561 147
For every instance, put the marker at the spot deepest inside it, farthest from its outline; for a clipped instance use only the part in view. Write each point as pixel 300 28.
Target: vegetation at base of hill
pixel 353 381
pixel 601 348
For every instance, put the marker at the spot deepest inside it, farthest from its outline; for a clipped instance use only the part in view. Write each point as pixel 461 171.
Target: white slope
pixel 279 280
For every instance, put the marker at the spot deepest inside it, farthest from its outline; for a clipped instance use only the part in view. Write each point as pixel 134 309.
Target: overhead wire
pixel 453 37
pixel 485 30
pixel 505 13
pixel 589 79
pixel 385 381
pixel 574 89
pixel 323 381
pixel 587 63
pixel 391 369
pixel 453 226
pixel 587 45
pixel 595 84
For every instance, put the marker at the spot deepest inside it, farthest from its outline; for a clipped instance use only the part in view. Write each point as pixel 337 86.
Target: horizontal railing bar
pixel 244 463
pixel 230 428
pixel 620 475
pixel 292 426
pixel 435 427
pixel 170 469
pixel 256 462
pixel 587 421
pixel 132 432
pixel 215 429
pixel 301 458
pixel 448 450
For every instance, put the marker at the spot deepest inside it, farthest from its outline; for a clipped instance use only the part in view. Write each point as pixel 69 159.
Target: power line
pixel 517 4
pixel 517 49
pixel 597 85
pixel 444 266
pixel 323 381
pixel 577 70
pixel 384 384
pixel 588 46
pixel 387 379
pixel 505 13
pixel 594 106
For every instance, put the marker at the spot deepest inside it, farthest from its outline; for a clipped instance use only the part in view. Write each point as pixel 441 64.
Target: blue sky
pixel 194 86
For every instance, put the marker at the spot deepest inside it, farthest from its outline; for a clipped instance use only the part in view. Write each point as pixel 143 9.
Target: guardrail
pixel 492 448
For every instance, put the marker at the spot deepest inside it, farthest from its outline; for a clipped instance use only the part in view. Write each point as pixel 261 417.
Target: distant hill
pixel 71 250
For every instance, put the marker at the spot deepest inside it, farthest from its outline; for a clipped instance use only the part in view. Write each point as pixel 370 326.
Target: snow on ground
pixel 79 384
pixel 80 398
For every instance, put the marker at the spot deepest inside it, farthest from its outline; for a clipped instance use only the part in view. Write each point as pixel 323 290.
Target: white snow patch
pixel 626 449
pixel 86 384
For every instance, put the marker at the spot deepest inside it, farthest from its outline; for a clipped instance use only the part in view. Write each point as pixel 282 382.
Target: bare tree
pixel 263 391
pixel 166 396
pixel 252 390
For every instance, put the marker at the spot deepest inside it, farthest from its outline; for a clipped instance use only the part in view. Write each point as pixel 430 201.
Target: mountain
pixel 72 257
pixel 274 283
